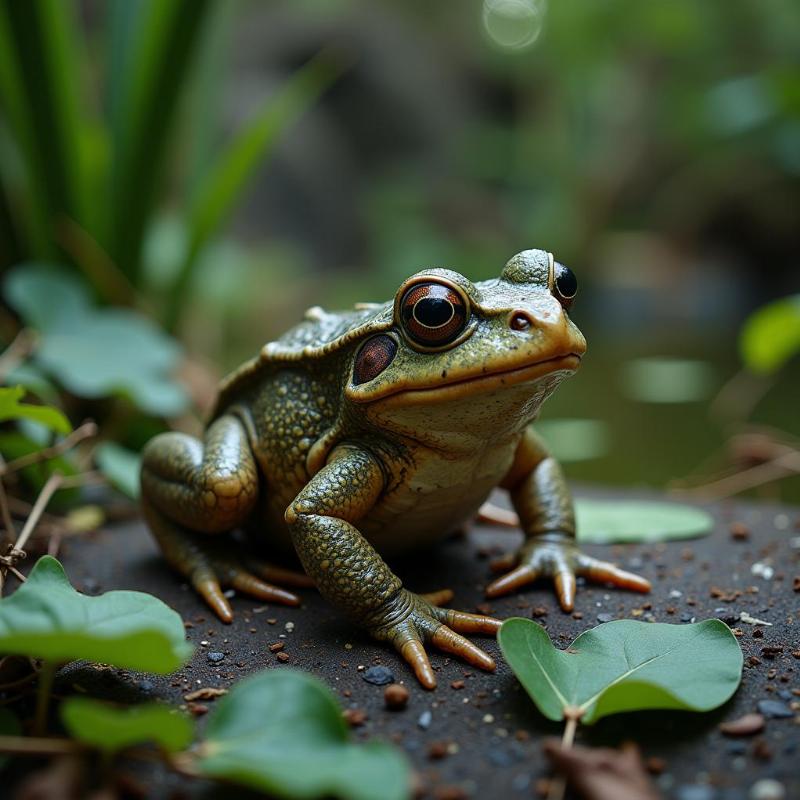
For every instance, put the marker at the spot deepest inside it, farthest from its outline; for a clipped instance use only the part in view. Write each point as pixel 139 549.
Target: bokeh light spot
pixel 513 24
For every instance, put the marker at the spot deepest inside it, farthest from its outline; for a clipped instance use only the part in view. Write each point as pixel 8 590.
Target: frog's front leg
pixel 350 573
pixel 192 488
pixel 542 500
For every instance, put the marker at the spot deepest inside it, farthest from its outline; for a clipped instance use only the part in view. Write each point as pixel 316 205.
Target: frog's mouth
pixel 468 385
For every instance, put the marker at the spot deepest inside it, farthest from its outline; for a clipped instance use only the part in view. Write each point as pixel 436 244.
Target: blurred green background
pixel 180 179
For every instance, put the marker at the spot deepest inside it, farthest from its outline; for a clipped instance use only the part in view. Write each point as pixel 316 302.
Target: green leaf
pixel 607 521
pixel 112 728
pixel 153 71
pixel 625 666
pixel 667 380
pixel 771 335
pixel 11 408
pixel 282 732
pixel 46 618
pixel 120 466
pixel 227 178
pixel 95 352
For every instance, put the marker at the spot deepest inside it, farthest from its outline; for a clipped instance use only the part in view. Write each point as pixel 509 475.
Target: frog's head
pixel 457 352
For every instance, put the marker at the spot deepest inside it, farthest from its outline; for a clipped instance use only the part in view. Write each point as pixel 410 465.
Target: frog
pixel 360 436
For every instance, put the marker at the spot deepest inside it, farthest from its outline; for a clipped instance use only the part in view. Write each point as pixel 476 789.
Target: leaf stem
pixel 43 691
pixel 558 784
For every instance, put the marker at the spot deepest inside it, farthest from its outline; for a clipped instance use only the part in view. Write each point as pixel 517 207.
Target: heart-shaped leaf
pixel 607 521
pixel 121 466
pixel 95 352
pixel 46 618
pixel 11 408
pixel 624 666
pixel 282 732
pixel 111 728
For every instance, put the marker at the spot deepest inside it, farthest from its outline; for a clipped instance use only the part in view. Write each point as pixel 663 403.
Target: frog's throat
pixel 482 382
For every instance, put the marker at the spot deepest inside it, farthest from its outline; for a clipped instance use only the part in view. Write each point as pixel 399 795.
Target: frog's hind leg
pixel 191 488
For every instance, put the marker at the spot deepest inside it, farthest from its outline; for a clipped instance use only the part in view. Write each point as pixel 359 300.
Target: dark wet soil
pixel 478 734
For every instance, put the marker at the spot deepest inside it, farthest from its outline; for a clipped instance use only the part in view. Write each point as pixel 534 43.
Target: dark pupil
pixel 433 311
pixel 566 282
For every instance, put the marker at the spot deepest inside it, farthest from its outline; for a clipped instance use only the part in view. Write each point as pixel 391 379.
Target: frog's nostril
pixel 520 321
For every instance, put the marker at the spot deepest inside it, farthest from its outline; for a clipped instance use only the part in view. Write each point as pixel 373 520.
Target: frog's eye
pixel 433 314
pixel 375 355
pixel 565 285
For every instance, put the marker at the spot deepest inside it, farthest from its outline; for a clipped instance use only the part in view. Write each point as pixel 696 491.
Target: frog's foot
pixel 211 563
pixel 411 621
pixel 556 556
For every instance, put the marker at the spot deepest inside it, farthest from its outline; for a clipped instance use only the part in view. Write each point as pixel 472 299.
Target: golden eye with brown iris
pixel 565 285
pixel 433 314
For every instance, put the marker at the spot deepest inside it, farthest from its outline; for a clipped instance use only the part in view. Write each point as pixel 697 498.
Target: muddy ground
pixel 478 735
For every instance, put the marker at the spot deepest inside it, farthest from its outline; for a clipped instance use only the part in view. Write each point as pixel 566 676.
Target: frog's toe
pixel 249 584
pixel 438 598
pixel 451 642
pixel 208 587
pixel 511 581
pixel 564 580
pixel 276 574
pixel 605 572
pixel 463 622
pixel 413 651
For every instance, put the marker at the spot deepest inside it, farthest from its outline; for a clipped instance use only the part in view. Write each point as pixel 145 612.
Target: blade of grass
pixel 236 165
pixel 164 43
pixel 40 77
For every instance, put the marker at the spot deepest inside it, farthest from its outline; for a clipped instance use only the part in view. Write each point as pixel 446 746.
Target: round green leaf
pixel 282 732
pixel 607 521
pixel 771 335
pixel 120 466
pixel 625 666
pixel 46 618
pixel 96 352
pixel 112 728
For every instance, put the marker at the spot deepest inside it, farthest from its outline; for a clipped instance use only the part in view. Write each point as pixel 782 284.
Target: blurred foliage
pixel 771 335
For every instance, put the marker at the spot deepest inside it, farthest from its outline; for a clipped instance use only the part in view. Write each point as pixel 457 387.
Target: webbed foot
pixel 410 621
pixel 556 556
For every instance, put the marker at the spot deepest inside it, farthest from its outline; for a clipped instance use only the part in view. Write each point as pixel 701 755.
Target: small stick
pixel 19 349
pixel 85 431
pixel 48 490
pixel 30 745
pixel 781 467
pixel 558 784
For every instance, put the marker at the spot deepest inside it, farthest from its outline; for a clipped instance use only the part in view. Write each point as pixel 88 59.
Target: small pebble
pixel 215 657
pixel 774 709
pixel 395 697
pixel 378 676
pixel 282 657
pixel 767 789
pixel 605 617
pixel 744 726
pixel 697 791
pixel 424 721
pixel 354 717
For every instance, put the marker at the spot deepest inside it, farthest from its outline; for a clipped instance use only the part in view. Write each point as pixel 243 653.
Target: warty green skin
pixel 346 474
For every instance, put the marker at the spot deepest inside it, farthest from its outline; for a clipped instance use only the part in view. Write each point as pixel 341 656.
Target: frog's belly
pixel 439 497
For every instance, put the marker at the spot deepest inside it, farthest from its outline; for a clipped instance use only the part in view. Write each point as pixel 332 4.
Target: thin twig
pixel 23 345
pixel 85 431
pixel 30 745
pixel 781 467
pixel 48 490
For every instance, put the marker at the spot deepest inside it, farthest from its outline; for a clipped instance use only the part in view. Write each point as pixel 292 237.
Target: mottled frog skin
pixel 369 433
